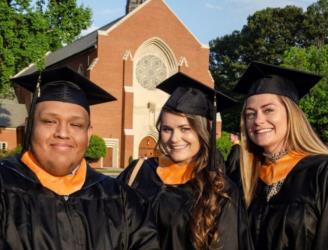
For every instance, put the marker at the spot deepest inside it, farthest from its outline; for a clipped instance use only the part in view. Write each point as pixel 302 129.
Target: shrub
pixel 6 153
pixel 224 144
pixel 96 149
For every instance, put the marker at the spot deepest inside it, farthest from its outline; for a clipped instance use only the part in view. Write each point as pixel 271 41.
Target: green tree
pixel 267 34
pixel 315 104
pixel 316 23
pixel 29 29
pixel 96 149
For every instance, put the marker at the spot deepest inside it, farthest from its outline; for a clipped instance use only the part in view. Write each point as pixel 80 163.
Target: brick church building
pixel 128 57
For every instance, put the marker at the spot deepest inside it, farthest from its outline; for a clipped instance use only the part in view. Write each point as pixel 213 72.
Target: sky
pixel 206 19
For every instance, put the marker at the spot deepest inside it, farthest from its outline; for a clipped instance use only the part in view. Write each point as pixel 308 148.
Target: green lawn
pixel 110 171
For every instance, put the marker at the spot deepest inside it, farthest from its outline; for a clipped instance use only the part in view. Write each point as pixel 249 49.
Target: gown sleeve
pixel 142 231
pixel 3 245
pixel 321 236
pixel 124 176
pixel 234 231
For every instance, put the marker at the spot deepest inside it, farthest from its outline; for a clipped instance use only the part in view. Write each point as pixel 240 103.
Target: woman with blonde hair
pixel 195 206
pixel 284 164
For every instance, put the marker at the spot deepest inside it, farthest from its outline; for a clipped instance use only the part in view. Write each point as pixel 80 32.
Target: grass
pixel 110 171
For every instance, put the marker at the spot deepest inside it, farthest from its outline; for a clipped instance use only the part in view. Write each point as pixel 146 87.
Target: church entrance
pixel 147 147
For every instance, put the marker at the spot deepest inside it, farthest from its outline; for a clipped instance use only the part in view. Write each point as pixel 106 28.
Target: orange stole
pixel 172 173
pixel 62 185
pixel 272 172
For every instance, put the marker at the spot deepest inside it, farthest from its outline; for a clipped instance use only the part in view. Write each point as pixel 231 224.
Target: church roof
pixel 84 43
pixel 89 41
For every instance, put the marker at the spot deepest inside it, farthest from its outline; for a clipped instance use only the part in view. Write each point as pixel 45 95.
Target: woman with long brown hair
pixel 284 164
pixel 195 206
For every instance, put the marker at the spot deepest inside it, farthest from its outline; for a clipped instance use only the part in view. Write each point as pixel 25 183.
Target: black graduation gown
pixel 173 204
pixel 233 164
pixel 104 214
pixel 296 218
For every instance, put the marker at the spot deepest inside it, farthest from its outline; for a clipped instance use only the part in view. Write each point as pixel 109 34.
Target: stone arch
pixel 156 49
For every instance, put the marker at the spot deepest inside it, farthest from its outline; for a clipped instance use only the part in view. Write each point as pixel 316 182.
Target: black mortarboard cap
pixel 63 85
pixel 190 96
pixel 260 78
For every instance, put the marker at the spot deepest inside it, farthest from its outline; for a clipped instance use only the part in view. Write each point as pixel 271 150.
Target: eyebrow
pixel 56 115
pixel 263 106
pixel 179 126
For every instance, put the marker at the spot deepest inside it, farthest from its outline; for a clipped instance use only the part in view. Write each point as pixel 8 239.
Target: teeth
pixel 265 130
pixel 178 147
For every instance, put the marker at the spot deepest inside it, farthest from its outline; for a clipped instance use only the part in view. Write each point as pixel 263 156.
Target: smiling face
pixel 179 139
pixel 266 122
pixel 60 136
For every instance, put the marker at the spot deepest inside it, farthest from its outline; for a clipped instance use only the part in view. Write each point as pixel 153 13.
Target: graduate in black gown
pixel 195 207
pixel 50 198
pixel 284 165
pixel 233 160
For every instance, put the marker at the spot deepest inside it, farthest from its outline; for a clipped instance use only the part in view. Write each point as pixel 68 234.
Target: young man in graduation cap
pixel 284 165
pixel 187 189
pixel 49 197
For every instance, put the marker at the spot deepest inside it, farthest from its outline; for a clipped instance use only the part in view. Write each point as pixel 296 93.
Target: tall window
pixel 3 145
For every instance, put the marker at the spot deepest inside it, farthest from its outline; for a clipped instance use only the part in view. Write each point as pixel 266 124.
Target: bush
pixel 6 153
pixel 96 149
pixel 224 144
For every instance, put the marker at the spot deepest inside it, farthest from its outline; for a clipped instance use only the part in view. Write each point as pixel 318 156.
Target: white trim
pixel 128 131
pixel 3 145
pixel 128 89
pixel 127 55
pixel 6 128
pixel 102 33
pixel 114 144
pixel 218 117
pixel 205 46
pixel 183 62
pixel 93 63
pixel 210 75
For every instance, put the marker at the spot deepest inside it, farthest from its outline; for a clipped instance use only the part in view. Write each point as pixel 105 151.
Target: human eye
pixel 268 110
pixel 166 129
pixel 78 125
pixel 185 129
pixel 48 121
pixel 249 115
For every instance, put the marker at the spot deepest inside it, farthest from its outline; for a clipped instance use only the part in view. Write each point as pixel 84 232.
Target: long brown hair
pixel 300 137
pixel 208 185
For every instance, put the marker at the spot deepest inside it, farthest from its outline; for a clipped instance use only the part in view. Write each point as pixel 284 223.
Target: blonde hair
pixel 300 137
pixel 208 185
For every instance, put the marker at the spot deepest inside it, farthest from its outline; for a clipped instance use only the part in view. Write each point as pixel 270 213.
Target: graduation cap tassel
pixel 29 125
pixel 213 137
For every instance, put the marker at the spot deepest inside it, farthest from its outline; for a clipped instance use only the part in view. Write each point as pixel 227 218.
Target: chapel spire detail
pixel 132 4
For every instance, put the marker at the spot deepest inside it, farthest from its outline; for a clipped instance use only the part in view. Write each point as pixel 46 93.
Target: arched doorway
pixel 147 147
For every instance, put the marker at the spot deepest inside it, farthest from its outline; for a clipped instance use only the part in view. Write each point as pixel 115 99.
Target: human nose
pixel 62 131
pixel 259 118
pixel 175 136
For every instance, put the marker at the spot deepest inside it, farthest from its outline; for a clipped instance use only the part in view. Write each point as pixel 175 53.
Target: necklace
pixel 275 156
